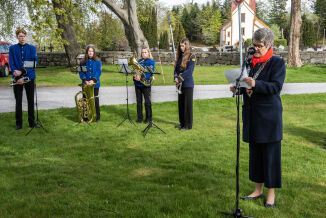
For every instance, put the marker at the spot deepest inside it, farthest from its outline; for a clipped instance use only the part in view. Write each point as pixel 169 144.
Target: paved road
pixel 57 97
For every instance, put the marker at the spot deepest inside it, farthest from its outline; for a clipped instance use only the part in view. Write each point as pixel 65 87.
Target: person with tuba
pixel 141 90
pixel 183 77
pixel 18 54
pixel 92 76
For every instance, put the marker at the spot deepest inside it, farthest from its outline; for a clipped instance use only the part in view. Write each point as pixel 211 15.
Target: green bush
pixel 249 42
pixel 278 42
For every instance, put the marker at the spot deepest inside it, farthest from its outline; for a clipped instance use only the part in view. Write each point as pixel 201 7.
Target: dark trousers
pixel 146 92
pixel 185 105
pixel 265 164
pixel 97 103
pixel 18 91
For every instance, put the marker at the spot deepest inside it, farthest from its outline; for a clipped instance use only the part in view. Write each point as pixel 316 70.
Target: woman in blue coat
pixel 262 116
pixel 141 90
pixel 183 76
pixel 94 70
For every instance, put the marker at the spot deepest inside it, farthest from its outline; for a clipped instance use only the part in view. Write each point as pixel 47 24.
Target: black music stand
pixel 126 70
pixel 237 212
pixel 32 65
pixel 151 123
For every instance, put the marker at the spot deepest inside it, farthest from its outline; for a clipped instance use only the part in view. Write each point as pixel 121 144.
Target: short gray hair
pixel 264 35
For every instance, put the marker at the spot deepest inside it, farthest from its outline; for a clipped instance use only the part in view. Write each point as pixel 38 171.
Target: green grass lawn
pixel 100 170
pixel 203 75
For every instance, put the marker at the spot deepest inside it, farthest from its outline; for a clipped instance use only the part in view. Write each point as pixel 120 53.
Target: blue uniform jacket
pixel 18 54
pixel 145 63
pixel 262 112
pixel 94 70
pixel 185 76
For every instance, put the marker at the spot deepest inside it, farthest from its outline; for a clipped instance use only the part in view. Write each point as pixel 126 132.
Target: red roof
pixel 252 5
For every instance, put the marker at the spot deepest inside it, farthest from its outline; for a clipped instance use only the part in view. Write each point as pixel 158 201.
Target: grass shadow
pixel 315 137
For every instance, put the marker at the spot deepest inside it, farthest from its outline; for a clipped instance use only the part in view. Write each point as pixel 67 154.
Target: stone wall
pixel 203 58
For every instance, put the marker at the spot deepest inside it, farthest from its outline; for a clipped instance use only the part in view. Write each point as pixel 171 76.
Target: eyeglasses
pixel 258 46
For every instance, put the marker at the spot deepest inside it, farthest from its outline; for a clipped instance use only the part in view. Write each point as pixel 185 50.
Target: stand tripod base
pixel 149 126
pixel 127 117
pixel 237 213
pixel 37 122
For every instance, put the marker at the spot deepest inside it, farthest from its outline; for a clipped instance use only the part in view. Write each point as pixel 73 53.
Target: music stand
pixel 151 124
pixel 32 65
pixel 125 70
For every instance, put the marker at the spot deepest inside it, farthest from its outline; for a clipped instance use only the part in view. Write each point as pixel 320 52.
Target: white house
pixel 229 31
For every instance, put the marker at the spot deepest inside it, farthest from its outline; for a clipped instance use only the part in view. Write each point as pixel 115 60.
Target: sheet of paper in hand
pixel 30 64
pixel 233 75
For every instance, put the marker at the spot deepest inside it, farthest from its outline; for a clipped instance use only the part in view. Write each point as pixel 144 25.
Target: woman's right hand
pixel 176 80
pixel 232 88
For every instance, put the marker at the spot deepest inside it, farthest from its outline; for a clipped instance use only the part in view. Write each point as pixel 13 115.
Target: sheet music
pixel 233 75
pixel 124 65
pixel 30 64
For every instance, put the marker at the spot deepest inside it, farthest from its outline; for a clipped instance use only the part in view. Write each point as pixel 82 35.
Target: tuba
pixel 138 69
pixel 86 104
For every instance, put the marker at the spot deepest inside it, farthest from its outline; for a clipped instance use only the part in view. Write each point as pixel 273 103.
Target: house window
pixel 243 31
pixel 243 17
pixel 228 34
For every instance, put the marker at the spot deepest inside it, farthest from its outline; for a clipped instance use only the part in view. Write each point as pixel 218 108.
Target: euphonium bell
pixel 86 104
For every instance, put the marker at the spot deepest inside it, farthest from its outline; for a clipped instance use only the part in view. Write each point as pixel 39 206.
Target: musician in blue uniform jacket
pixel 262 116
pixel 183 77
pixel 142 90
pixel 94 70
pixel 22 77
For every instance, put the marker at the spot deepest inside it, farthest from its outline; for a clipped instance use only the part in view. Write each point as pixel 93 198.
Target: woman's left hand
pixel 250 81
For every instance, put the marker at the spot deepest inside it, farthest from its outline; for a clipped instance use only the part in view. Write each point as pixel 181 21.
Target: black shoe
pixel 178 126
pixel 270 205
pixel 139 121
pixel 184 128
pixel 245 198
pixel 18 127
pixel 147 120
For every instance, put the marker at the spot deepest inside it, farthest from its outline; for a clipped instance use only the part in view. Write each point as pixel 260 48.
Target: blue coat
pixel 262 112
pixel 94 70
pixel 145 63
pixel 185 76
pixel 18 54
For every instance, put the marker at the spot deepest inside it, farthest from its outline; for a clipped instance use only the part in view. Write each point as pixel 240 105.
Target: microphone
pixel 251 50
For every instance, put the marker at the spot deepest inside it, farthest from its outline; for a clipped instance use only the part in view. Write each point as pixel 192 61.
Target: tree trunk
pixel 294 58
pixel 68 34
pixel 128 16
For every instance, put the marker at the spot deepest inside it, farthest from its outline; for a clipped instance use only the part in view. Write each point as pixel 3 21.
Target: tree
pixel 178 32
pixel 307 32
pixel 128 15
pixel 262 10
pixel 68 33
pixel 276 30
pixel 320 10
pixel 294 58
pixel 278 14
pixel 211 21
pixel 164 40
pixel 147 18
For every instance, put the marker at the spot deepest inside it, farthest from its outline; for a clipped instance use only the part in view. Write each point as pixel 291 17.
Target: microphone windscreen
pixel 251 50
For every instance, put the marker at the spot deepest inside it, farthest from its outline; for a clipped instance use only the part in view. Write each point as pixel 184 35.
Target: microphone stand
pixel 37 121
pixel 237 212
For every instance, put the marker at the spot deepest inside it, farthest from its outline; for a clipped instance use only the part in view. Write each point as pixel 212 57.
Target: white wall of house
pixel 230 30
